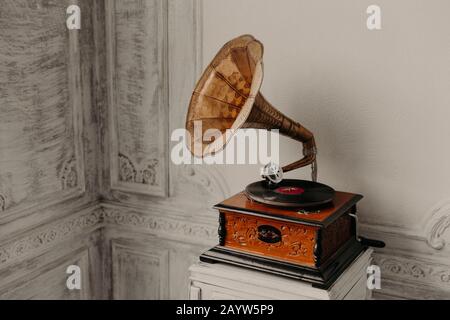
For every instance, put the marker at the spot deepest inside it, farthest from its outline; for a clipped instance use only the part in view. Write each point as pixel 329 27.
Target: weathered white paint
pixel 138 89
pixel 40 127
pixel 163 235
pixel 219 281
pixel 48 153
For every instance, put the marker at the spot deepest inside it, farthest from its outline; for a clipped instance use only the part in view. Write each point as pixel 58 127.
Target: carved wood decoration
pixel 138 95
pixel 41 154
pixel 295 244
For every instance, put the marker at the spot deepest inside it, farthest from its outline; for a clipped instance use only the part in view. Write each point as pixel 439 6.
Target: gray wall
pixel 84 174
pixel 49 216
pixel 378 103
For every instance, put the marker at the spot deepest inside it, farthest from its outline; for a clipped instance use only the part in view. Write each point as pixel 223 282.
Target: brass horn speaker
pixel 227 97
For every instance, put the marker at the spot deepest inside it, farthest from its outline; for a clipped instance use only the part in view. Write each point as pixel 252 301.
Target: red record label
pixel 290 190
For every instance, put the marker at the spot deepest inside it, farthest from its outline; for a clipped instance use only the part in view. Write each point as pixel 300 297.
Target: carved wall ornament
pixel 132 173
pixel 69 174
pixel 148 173
pixel 438 225
pixel 410 269
pixel 2 203
pixel 127 170
pixel 54 234
pixel 162 226
pixel 50 235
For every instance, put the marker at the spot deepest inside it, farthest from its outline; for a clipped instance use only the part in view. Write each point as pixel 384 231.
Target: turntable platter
pixel 291 193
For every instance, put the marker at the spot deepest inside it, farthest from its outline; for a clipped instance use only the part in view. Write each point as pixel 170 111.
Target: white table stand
pixel 225 282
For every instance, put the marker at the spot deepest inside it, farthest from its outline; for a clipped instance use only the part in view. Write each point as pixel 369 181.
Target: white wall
pixel 378 102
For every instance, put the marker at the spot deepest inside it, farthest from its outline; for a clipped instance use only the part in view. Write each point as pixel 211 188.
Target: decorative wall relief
pixel 133 173
pixel 50 235
pixel 69 174
pixel 138 93
pixel 438 225
pixel 163 226
pixel 2 203
pixel 40 104
pixel 127 170
pixel 414 270
pixel 97 217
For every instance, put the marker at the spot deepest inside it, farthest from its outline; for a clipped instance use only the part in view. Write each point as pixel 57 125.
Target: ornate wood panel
pixel 295 242
pixel 138 95
pixel 145 268
pixel 41 154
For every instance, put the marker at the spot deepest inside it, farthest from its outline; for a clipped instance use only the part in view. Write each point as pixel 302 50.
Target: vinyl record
pixel 291 193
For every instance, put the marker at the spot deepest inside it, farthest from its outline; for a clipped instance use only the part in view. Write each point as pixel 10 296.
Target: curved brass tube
pixel 266 116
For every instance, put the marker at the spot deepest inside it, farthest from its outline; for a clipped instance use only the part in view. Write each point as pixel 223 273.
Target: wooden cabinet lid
pixel 321 217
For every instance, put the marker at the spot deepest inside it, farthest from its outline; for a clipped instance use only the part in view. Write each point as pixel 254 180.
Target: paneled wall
pixel 158 215
pixel 85 176
pixel 48 159
pixel 137 34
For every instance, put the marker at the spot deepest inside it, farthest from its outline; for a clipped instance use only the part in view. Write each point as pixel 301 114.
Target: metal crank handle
pixel 371 243
pixel 364 241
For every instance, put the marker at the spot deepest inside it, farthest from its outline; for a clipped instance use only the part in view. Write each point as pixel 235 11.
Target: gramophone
pixel 300 229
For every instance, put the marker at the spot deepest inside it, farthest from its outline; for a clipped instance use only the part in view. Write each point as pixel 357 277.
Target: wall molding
pixel 130 172
pixel 410 277
pixel 126 256
pixel 16 288
pixel 162 226
pixel 144 173
pixel 2 203
pixel 45 237
pixel 439 223
pixel 99 216
pixel 69 174
pixel 402 269
pixel 410 267
pixel 71 167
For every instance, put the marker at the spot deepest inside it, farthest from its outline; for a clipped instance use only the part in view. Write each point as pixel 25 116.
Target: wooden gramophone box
pixel 314 244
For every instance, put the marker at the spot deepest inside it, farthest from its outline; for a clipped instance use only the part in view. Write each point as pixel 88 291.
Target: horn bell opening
pixel 224 96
